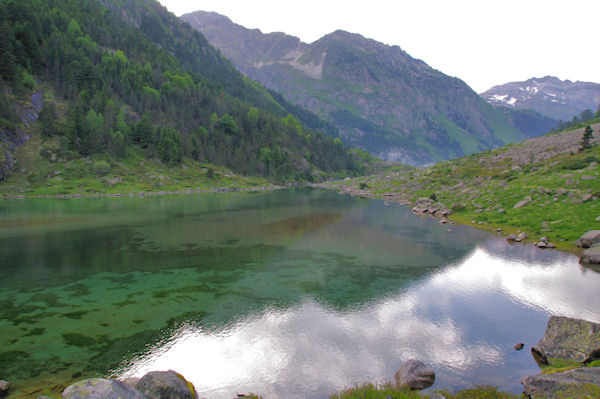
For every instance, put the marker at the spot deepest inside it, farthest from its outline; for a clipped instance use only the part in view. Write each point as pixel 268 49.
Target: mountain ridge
pixel 549 95
pixel 378 96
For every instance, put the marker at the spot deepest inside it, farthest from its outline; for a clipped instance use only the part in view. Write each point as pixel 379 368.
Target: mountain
pixel 109 79
pixel 379 97
pixel 550 96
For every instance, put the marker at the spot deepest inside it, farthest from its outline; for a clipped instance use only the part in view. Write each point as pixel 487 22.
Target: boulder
pixel 522 203
pixel 591 255
pixel 166 384
pixel 544 239
pixel 557 385
pixel 586 197
pixel 588 239
pixel 570 339
pixel 522 236
pixel 541 244
pixel 424 201
pixel 446 212
pixel 100 388
pixel 511 237
pixel 414 374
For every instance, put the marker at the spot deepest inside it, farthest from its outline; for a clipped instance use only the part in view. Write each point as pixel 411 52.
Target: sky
pixel 482 42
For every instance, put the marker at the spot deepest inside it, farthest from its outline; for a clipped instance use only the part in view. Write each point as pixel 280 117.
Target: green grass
pixel 56 172
pixel 557 186
pixel 390 391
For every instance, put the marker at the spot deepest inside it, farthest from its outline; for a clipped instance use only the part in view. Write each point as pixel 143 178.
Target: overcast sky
pixel 483 42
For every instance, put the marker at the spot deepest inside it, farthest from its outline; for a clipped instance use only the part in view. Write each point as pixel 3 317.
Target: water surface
pixel 293 293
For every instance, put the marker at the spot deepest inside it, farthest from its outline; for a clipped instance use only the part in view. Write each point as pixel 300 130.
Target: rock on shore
pixel 153 385
pixel 570 339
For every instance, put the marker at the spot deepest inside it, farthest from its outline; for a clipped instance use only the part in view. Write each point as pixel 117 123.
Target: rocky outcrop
pixel 166 384
pixel 572 383
pixel 100 388
pixel 414 374
pixel 588 239
pixel 569 339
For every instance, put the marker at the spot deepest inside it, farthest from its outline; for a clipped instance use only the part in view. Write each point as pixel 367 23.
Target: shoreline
pixel 403 200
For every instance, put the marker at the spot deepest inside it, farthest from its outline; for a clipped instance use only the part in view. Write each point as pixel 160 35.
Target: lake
pixel 289 294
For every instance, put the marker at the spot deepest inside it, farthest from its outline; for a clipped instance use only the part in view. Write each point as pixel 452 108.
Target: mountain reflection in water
pixel 462 321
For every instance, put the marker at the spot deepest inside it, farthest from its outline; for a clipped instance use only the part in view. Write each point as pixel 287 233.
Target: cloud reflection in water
pixel 461 321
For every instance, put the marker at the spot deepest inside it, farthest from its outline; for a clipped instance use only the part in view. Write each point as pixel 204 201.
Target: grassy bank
pixel 44 169
pixel 557 184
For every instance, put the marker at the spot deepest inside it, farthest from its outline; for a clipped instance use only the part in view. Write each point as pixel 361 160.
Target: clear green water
pixel 293 293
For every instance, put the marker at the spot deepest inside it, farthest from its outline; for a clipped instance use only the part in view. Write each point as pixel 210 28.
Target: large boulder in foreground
pixel 570 339
pixel 166 384
pixel 588 239
pixel 100 388
pixel 572 384
pixel 414 374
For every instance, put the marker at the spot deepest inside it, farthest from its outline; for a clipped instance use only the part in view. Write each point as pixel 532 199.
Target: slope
pixel 112 78
pixel 379 97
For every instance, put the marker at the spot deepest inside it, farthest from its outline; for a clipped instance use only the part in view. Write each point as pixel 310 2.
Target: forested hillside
pixel 116 76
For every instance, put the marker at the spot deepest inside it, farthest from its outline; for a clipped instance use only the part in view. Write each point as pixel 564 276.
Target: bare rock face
pixel 573 381
pixel 414 374
pixel 569 339
pixel 100 388
pixel 166 384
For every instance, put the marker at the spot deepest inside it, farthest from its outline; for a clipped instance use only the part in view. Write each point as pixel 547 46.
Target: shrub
pixel 363 186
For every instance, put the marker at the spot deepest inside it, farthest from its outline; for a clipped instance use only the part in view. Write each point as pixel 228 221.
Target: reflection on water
pixel 463 321
pixel 294 293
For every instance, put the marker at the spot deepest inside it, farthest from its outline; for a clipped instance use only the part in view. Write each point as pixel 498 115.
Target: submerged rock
pixel 519 346
pixel 166 384
pixel 570 339
pixel 553 385
pixel 414 374
pixel 100 388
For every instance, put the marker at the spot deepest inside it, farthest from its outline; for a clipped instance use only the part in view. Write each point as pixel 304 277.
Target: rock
pixel 588 177
pixel 100 388
pixel 424 201
pixel 570 339
pixel 541 244
pixel 522 203
pixel 511 237
pixel 437 395
pixel 597 218
pixel 550 245
pixel 4 388
pixel 586 197
pixel 544 239
pixel 519 346
pixel 501 210
pixel 522 236
pixel 446 212
pixel 539 357
pixel 591 255
pixel 588 239
pixel 131 381
pixel 557 384
pixel 561 191
pixel 414 374
pixel 166 384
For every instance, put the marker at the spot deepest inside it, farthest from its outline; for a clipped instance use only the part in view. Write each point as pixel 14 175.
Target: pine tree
pixel 586 138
